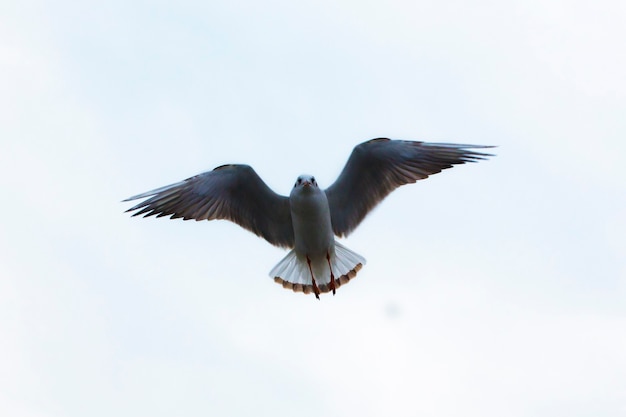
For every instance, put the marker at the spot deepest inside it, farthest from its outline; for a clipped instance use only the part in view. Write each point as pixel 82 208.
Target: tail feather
pixel 292 272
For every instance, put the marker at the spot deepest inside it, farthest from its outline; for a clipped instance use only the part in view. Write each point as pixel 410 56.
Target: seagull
pixel 309 219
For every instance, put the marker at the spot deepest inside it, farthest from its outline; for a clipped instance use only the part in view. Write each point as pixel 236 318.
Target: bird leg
pixel 316 290
pixel 332 276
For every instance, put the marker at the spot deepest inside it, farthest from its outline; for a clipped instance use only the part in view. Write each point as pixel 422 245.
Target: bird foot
pixel 332 276
pixel 316 289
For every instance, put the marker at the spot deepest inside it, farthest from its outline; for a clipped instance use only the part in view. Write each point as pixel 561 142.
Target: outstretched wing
pixel 379 166
pixel 231 192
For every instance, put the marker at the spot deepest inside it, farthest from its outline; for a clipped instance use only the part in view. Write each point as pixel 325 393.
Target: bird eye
pixel 312 179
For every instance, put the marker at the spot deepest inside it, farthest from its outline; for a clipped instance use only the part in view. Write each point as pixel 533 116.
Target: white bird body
pixel 309 219
pixel 310 216
pixel 313 265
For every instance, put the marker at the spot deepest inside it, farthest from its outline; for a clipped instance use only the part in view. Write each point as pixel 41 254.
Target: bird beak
pixel 306 183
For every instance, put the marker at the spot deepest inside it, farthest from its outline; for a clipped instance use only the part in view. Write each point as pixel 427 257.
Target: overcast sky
pixel 491 289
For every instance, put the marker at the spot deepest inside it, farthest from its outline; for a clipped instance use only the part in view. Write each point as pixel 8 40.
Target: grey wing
pixel 231 192
pixel 379 166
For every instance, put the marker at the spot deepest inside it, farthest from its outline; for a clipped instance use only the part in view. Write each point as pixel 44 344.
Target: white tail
pixel 292 272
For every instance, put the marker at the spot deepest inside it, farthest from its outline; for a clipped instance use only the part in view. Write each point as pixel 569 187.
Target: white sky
pixel 494 289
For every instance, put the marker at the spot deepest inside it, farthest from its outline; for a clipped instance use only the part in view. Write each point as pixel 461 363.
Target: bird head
pixel 305 181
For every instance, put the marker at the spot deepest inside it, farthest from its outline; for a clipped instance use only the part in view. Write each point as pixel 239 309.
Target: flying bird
pixel 309 219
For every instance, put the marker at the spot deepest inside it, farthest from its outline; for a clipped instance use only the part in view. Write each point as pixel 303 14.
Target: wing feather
pixel 379 166
pixel 230 192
